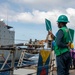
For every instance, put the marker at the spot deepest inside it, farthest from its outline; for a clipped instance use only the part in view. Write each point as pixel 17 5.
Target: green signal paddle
pixel 48 25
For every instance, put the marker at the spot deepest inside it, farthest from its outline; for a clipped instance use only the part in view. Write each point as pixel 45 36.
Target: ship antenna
pixel 7 17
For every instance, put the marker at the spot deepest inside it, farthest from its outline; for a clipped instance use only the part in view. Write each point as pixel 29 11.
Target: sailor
pixel 62 44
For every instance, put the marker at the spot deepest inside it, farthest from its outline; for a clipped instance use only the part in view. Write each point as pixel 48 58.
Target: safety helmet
pixel 62 18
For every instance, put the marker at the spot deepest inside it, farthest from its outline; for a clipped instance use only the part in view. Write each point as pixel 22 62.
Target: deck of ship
pixel 28 71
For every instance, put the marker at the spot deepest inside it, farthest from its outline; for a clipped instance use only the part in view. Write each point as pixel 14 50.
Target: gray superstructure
pixel 6 34
pixel 7 37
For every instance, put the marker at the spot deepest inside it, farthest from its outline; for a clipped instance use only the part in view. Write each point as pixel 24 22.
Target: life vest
pixel 65 40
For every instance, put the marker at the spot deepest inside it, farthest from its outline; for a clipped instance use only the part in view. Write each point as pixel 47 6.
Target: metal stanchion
pixel 12 62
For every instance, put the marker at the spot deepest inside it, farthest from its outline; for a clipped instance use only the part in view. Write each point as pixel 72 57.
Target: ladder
pixel 21 59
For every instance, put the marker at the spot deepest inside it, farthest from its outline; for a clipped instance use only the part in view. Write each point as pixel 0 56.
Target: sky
pixel 27 17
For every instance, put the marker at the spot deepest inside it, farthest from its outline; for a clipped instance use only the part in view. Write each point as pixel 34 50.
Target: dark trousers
pixel 63 63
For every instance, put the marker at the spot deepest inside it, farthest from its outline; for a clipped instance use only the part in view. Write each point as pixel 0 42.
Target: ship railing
pixel 12 48
pixel 11 53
